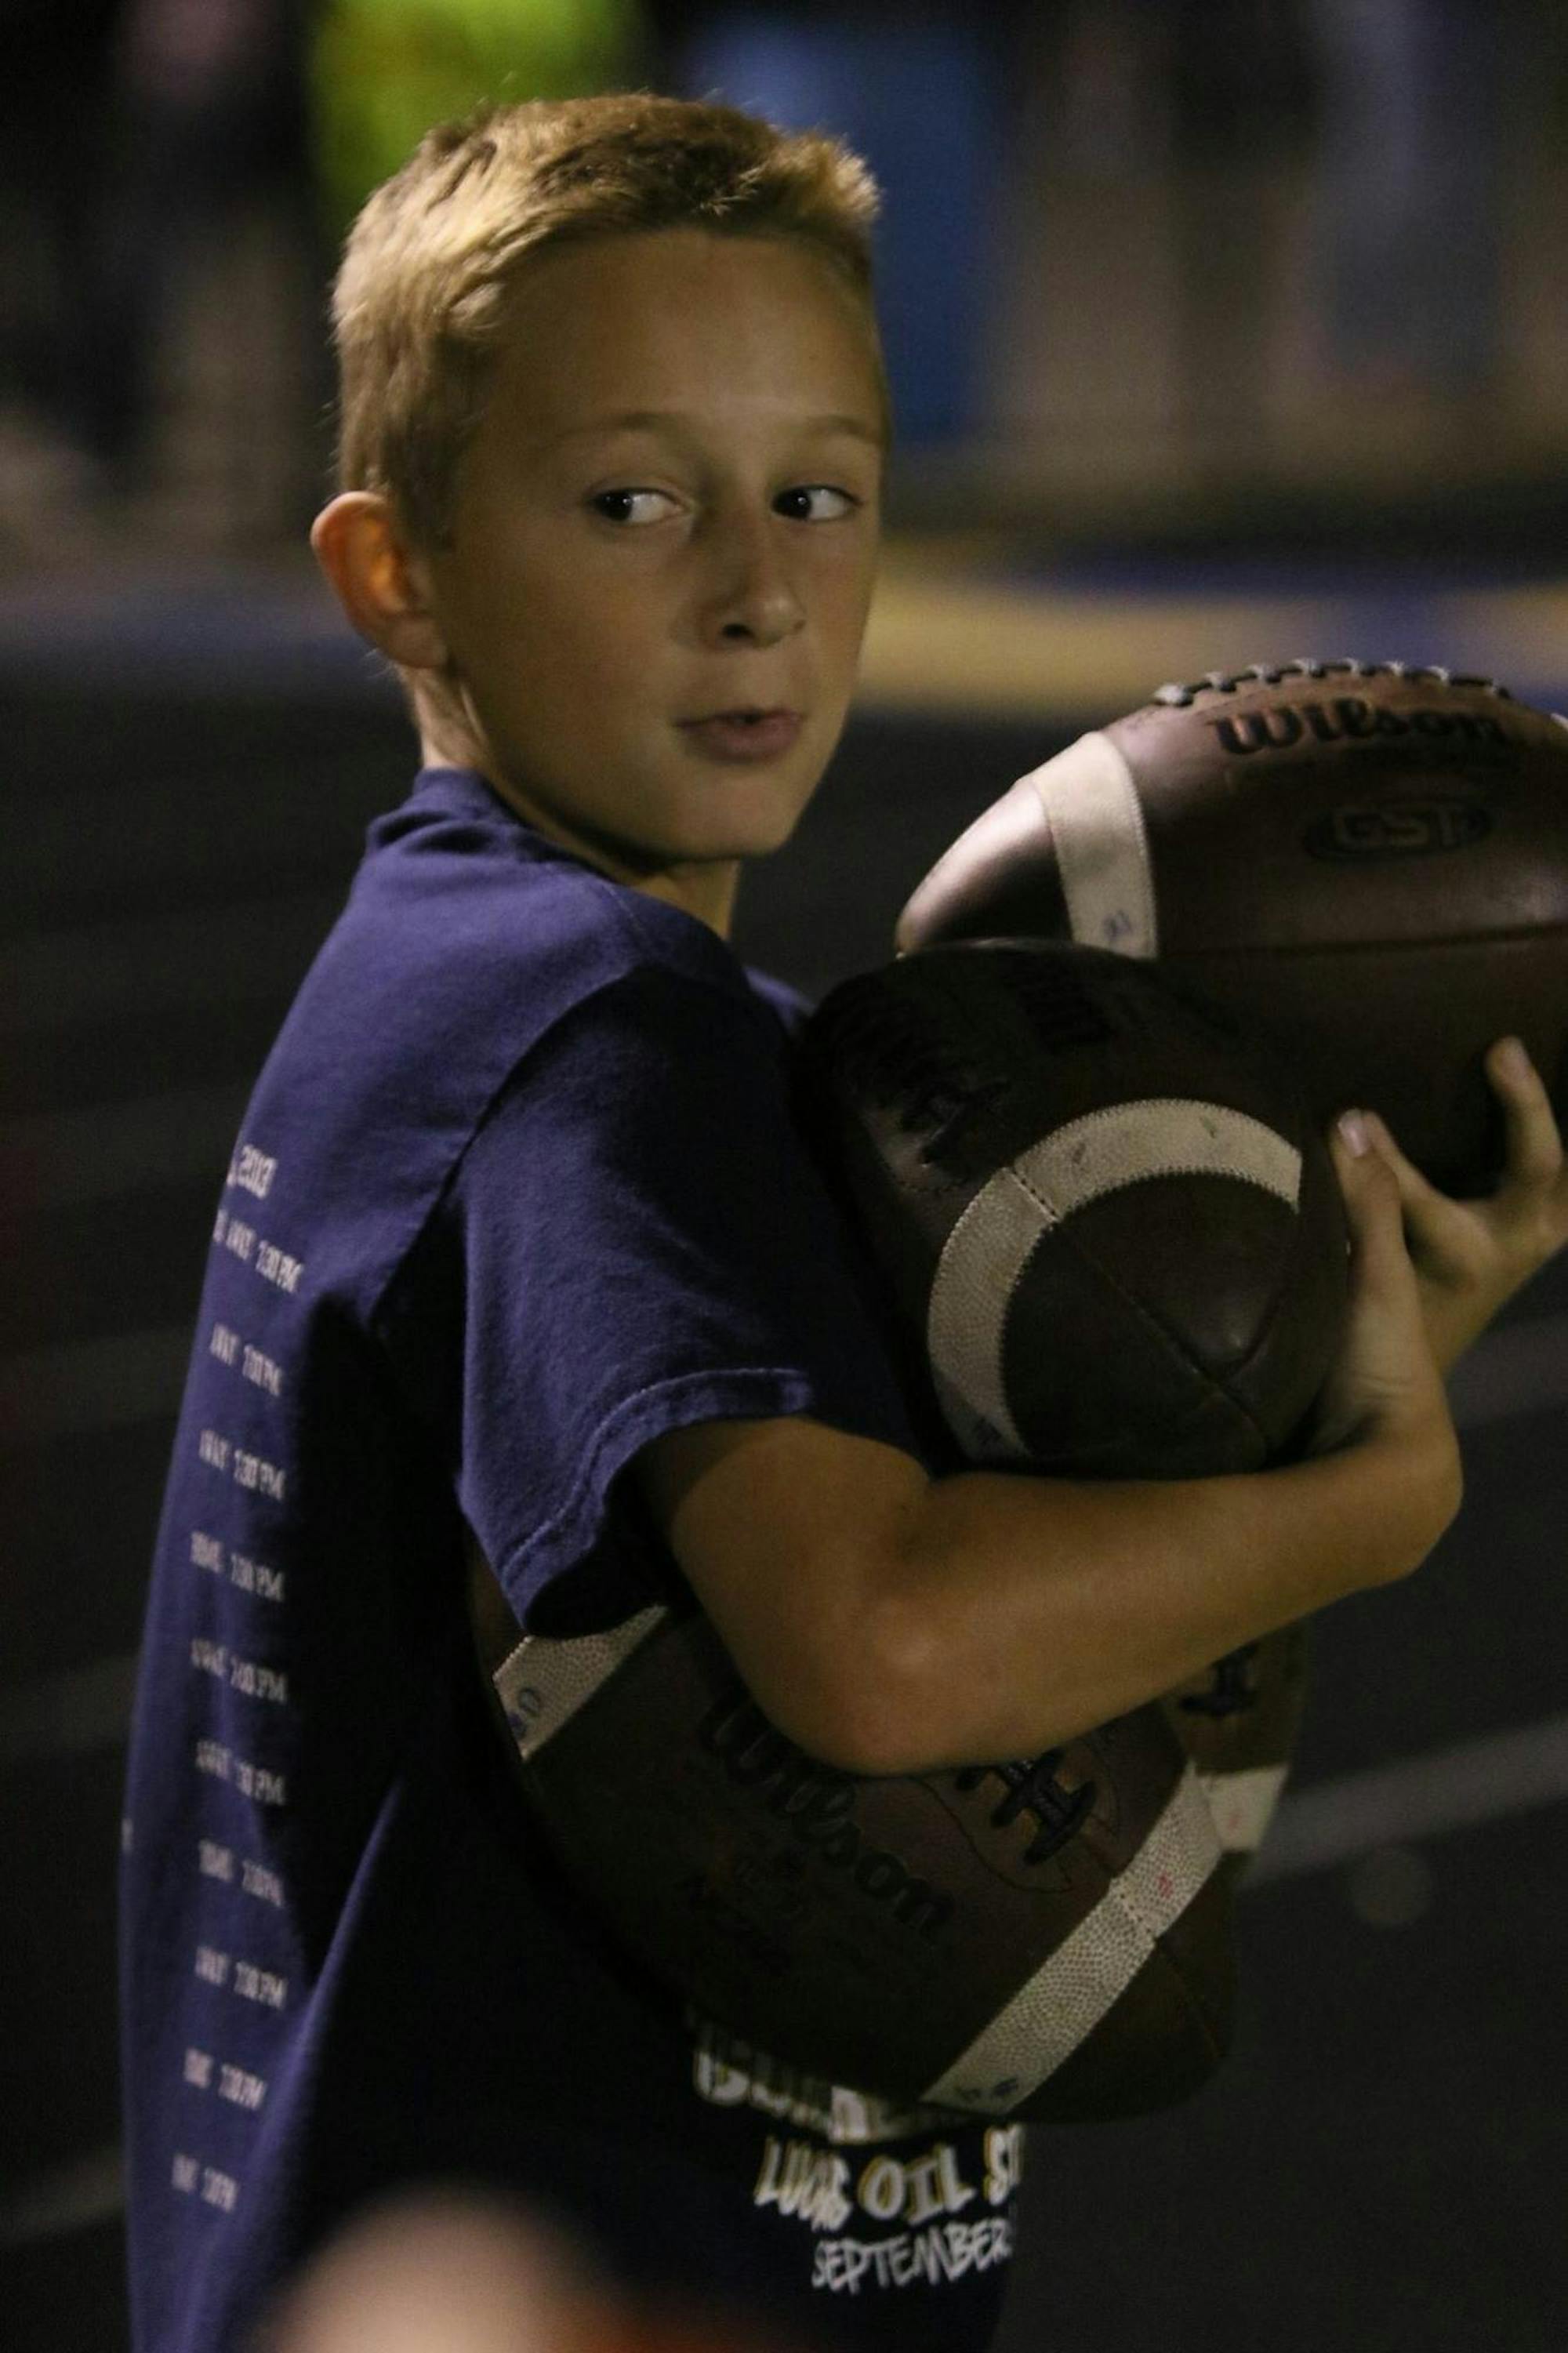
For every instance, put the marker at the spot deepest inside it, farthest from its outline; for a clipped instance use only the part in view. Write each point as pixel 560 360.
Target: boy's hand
pixel 1472 1256
pixel 1386 1383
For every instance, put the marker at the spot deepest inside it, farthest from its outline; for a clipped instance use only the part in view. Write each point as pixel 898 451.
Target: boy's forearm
pixel 1030 1610
pixel 890 1622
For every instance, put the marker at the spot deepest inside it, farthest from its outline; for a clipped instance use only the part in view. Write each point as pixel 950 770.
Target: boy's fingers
pixel 1372 1197
pixel 1534 1142
pixel 1415 1191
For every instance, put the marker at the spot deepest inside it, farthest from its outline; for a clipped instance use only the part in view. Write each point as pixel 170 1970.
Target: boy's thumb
pixel 1372 1203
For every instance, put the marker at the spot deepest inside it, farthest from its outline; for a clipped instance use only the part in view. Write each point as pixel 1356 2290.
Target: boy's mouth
pixel 748 713
pixel 743 734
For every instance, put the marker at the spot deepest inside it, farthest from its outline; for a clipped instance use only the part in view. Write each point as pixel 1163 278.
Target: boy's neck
pixel 707 892
pixel 705 889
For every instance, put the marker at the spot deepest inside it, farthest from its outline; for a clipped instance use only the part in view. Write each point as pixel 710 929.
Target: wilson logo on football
pixel 1348 718
pixel 1397 830
pixel 818 1804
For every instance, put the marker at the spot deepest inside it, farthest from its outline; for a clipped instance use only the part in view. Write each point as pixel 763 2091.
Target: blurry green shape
pixel 381 71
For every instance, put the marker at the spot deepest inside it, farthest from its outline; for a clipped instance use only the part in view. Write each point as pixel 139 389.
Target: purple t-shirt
pixel 517 1191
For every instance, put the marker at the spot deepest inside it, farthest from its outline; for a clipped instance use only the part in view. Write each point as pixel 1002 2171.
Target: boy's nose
pixel 753 597
pixel 763 616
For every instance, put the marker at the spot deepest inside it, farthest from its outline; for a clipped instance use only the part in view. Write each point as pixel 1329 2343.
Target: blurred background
pixel 1165 271
pixel 1220 331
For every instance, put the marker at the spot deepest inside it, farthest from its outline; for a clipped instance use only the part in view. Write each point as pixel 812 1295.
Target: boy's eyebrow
pixel 643 420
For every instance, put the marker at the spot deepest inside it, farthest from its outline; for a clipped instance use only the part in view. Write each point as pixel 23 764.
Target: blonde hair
pixel 419 307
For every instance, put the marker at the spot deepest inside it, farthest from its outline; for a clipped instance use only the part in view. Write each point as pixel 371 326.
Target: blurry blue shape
pixel 921 102
pixel 1414 155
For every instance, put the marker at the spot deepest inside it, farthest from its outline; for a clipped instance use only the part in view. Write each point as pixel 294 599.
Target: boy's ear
pixel 380 582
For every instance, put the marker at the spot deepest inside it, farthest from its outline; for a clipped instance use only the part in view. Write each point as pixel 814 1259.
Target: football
pixel 1108 1226
pixel 1041 1940
pixel 1238 1722
pixel 1369 862
pixel 1148 1278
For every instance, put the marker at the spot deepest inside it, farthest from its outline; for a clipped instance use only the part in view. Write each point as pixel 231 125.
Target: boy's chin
pixel 741 833
pixel 697 857
pixel 760 840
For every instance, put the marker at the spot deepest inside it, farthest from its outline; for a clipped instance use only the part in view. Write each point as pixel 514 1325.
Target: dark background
pixel 1241 340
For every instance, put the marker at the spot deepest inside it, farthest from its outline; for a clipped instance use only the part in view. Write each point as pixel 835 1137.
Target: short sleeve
pixel 645 1244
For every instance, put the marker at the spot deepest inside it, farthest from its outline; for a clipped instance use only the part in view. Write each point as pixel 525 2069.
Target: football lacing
pixel 1033 1788
pixel 1231 1688
pixel 1177 697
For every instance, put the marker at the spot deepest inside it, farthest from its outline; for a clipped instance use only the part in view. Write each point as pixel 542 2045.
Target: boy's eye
pixel 810 502
pixel 631 506
pixel 817 503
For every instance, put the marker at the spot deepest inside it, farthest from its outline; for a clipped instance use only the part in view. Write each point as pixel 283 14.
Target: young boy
pixel 517 1240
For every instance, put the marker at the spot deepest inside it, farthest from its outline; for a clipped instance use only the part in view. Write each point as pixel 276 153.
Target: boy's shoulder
pixel 468 939
pixel 457 889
